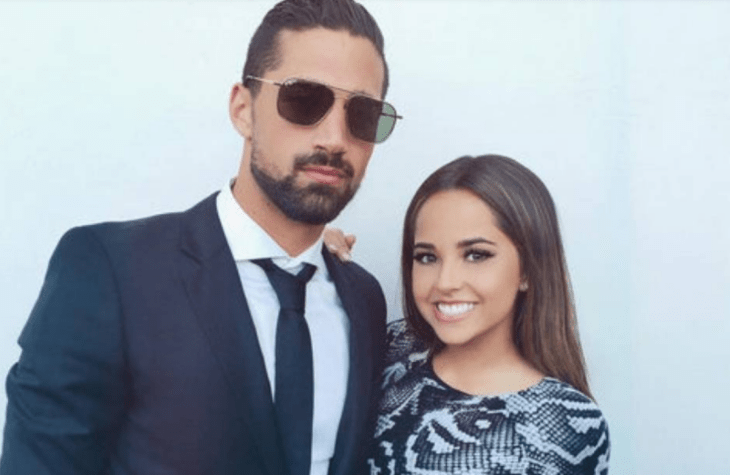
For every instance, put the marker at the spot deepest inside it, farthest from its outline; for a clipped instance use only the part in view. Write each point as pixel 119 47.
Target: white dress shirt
pixel 328 323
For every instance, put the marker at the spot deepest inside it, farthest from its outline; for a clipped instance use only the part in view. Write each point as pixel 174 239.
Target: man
pixel 153 347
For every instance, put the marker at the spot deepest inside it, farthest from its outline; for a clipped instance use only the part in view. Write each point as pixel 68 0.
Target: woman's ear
pixel 239 108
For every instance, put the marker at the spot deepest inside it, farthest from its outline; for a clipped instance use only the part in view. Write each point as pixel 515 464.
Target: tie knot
pixel 289 288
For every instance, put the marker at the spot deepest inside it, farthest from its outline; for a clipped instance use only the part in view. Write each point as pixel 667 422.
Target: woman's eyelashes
pixel 469 255
pixel 477 255
pixel 424 257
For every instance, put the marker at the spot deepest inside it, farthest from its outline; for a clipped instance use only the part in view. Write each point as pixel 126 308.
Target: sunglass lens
pixel 386 124
pixel 370 120
pixel 303 102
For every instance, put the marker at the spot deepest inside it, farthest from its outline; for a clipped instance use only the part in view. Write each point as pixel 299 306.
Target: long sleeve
pixel 66 394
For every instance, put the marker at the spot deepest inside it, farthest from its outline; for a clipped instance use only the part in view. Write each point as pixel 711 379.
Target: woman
pixel 486 374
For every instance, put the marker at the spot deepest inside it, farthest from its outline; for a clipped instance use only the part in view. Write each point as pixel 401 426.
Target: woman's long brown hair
pixel 545 327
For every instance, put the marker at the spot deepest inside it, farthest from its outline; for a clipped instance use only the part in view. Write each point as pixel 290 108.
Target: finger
pixel 350 240
pixel 334 238
pixel 344 254
pixel 340 251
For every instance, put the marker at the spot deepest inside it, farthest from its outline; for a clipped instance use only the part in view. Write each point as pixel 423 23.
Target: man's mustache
pixel 335 160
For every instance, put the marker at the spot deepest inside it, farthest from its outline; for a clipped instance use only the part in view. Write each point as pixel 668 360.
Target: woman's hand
pixel 339 243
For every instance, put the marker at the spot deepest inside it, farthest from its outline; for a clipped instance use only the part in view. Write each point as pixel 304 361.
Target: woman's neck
pixel 491 369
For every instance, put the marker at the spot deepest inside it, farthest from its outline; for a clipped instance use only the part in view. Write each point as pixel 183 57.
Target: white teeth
pixel 454 309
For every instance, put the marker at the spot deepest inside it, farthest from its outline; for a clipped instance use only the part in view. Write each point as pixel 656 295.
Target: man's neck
pixel 294 237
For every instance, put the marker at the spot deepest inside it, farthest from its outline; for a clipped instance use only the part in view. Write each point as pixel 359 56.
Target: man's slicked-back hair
pixel 301 15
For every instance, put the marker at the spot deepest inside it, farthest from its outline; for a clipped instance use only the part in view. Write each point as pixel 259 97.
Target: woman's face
pixel 466 271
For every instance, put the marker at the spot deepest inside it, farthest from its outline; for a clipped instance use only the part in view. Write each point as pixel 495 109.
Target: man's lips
pixel 323 174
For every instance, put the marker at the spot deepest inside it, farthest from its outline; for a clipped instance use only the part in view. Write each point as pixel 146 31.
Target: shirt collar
pixel 247 240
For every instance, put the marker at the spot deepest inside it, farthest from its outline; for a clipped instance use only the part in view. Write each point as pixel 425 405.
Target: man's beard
pixel 314 203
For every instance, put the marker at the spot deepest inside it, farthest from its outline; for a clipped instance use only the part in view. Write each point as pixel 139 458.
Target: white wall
pixel 114 110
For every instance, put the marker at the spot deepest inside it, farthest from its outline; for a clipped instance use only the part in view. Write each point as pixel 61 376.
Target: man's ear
pixel 239 108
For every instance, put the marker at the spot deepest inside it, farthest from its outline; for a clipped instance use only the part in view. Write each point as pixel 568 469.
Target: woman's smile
pixel 453 312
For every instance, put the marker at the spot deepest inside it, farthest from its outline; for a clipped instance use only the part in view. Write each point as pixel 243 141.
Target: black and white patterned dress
pixel 426 427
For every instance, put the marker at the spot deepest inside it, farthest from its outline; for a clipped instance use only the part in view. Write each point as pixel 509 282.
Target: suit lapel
pixel 359 385
pixel 213 285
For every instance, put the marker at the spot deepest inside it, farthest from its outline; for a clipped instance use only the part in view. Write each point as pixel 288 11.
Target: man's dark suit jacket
pixel 140 357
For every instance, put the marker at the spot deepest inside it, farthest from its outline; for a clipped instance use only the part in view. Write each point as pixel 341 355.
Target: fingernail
pixel 346 256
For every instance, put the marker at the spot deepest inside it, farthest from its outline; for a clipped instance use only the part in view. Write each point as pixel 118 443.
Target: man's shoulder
pixel 148 232
pixel 358 287
pixel 348 271
pixel 153 224
pixel 359 272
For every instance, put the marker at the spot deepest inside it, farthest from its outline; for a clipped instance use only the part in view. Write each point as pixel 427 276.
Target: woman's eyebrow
pixel 476 240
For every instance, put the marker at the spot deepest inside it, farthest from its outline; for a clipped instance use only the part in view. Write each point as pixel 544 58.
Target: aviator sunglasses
pixel 306 102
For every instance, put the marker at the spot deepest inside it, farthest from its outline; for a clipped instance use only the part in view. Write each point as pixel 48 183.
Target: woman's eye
pixel 475 255
pixel 424 257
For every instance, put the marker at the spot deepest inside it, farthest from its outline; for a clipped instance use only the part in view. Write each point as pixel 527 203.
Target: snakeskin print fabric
pixel 426 427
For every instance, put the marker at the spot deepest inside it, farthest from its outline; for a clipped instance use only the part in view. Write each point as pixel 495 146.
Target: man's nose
pixel 331 134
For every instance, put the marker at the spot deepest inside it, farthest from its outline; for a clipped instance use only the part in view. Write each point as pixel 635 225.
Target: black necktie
pixel 294 386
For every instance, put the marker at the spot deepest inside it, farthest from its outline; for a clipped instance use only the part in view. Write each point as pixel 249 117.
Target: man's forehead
pixel 334 57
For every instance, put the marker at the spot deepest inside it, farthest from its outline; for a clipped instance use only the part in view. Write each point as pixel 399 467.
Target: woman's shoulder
pixel 554 388
pixel 405 351
pixel 555 404
pixel 556 418
pixel 403 343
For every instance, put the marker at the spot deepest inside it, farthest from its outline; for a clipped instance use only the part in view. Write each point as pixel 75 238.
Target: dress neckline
pixel 428 367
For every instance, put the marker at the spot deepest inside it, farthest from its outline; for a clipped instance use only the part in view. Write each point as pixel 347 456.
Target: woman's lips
pixel 452 312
